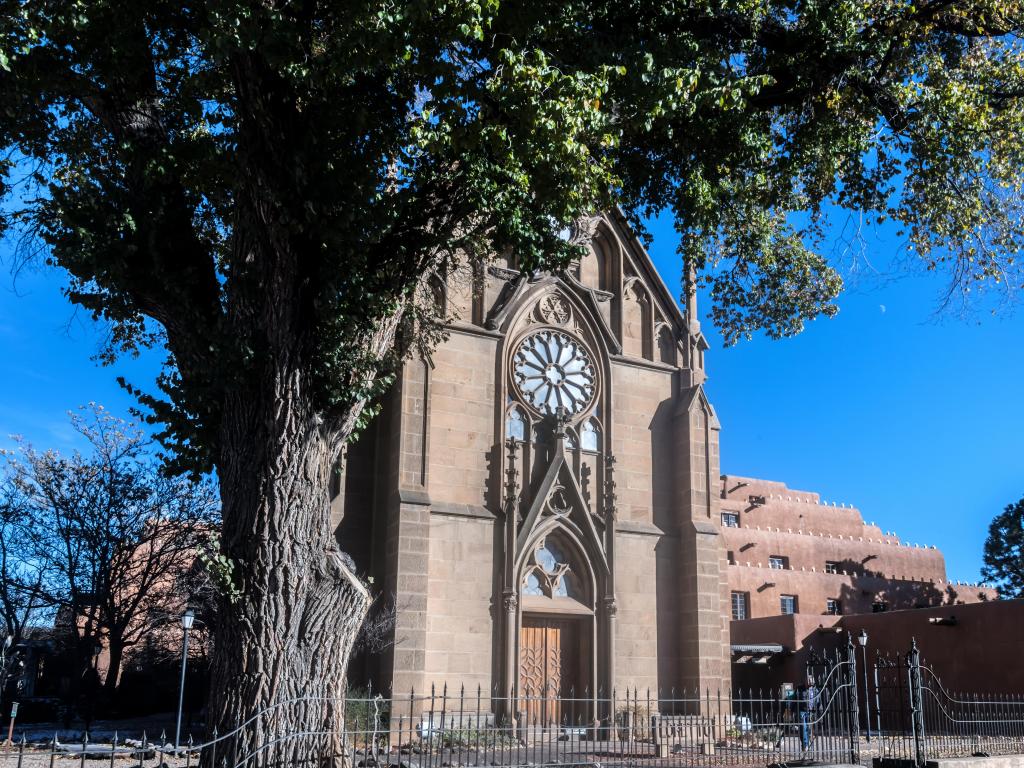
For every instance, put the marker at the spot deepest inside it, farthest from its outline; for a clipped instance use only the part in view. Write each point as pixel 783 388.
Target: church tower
pixel 539 497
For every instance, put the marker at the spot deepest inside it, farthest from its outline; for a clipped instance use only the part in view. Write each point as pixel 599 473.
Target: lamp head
pixel 862 638
pixel 187 618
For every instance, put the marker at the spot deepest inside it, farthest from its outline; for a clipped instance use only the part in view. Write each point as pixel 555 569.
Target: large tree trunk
pixel 283 644
pixel 115 653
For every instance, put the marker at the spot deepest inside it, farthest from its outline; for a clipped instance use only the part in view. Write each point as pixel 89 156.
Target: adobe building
pixel 803 573
pixel 789 552
pixel 542 495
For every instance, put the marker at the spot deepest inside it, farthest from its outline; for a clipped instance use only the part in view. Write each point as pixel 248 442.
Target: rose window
pixel 552 369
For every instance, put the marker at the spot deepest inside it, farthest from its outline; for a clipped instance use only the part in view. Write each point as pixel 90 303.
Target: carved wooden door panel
pixel 549 654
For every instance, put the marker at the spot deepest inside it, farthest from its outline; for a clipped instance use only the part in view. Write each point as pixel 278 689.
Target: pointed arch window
pixel 667 346
pixel 515 424
pixel 552 571
pixel 590 436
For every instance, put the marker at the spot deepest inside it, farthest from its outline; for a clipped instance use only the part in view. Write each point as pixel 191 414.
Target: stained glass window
pixel 531 585
pixel 550 571
pixel 551 370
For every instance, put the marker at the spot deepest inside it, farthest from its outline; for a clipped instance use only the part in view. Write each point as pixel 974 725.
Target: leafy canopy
pixel 259 177
pixel 1004 551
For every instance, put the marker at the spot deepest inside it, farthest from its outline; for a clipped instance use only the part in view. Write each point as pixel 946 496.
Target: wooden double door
pixel 553 662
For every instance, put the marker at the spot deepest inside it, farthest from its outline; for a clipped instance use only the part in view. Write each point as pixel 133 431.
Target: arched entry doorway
pixel 557 633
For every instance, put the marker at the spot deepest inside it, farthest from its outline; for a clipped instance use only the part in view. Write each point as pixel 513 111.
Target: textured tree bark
pixel 283 644
pixel 115 651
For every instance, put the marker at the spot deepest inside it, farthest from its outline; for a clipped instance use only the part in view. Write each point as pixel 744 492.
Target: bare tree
pixel 21 580
pixel 116 534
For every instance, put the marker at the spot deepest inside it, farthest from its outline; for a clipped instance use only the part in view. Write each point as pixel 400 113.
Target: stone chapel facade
pixel 541 495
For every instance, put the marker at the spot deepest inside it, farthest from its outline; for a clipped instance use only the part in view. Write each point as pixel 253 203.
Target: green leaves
pixel 265 188
pixel 1004 551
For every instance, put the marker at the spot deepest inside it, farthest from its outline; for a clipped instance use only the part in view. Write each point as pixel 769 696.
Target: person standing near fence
pixel 808 704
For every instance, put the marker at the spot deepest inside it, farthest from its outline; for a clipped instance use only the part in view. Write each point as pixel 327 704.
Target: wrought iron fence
pixel 913 716
pixel 918 719
pixel 444 729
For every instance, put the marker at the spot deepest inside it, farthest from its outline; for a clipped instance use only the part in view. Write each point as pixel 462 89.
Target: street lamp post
pixel 186 624
pixel 862 638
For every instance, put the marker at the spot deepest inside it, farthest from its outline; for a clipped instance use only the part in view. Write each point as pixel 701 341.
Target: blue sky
pixel 915 419
pixel 914 416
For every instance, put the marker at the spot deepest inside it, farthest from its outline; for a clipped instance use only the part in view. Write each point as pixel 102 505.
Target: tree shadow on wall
pixel 872 591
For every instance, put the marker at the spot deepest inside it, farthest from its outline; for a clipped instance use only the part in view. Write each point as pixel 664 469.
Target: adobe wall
pixel 856 594
pixel 857 555
pixel 785 507
pixel 872 566
pixel 797 634
pixel 979 654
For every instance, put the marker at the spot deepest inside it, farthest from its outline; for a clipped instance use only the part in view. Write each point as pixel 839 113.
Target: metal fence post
pixel 916 702
pixel 853 713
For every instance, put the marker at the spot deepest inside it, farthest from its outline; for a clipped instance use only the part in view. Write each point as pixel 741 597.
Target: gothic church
pixel 541 495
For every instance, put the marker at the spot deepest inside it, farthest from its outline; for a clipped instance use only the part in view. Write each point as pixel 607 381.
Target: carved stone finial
pixel 582 231
pixel 609 488
pixel 511 473
pixel 561 421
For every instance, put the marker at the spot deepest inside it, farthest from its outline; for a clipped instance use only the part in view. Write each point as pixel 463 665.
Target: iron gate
pixel 918 719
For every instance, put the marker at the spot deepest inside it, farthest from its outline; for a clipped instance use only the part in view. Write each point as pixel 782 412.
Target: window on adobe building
pixel 833 607
pixel 880 606
pixel 731 557
pixel 778 562
pixel 730 520
pixel 787 603
pixel 831 566
pixel 739 606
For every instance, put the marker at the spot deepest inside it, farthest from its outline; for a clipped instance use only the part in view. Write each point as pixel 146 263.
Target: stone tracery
pixel 550 571
pixel 552 369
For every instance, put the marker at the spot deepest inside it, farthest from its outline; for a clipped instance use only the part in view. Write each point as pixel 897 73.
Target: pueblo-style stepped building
pixel 542 495
pixel 789 552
